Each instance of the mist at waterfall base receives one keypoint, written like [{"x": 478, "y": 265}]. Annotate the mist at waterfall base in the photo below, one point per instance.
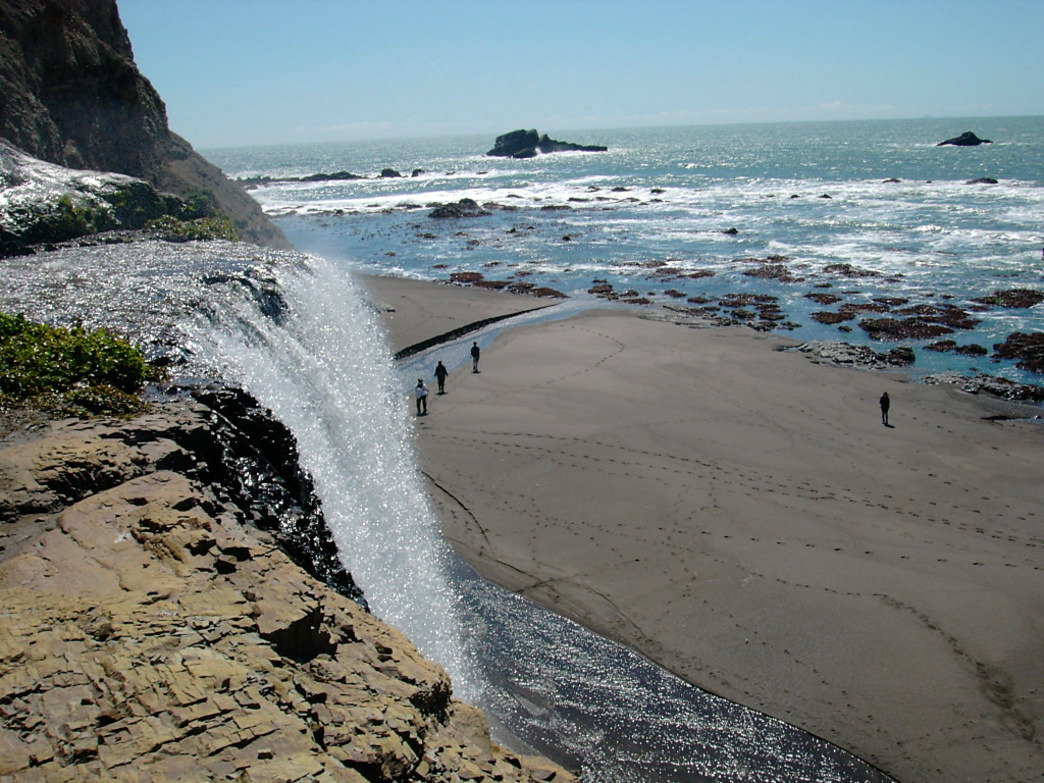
[{"x": 296, "y": 332}]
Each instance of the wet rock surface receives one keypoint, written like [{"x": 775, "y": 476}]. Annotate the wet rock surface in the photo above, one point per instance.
[{"x": 149, "y": 634}]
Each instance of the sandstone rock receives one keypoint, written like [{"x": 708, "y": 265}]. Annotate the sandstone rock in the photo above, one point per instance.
[{"x": 149, "y": 635}]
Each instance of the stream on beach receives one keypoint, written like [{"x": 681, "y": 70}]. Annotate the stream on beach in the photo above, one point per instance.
[{"x": 296, "y": 332}]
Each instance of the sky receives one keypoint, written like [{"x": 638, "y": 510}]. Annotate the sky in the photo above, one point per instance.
[{"x": 250, "y": 72}]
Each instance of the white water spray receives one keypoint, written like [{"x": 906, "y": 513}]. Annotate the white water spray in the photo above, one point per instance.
[{"x": 326, "y": 373}]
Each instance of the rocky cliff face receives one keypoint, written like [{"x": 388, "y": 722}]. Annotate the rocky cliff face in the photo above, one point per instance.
[
  {"x": 149, "y": 634},
  {"x": 71, "y": 94}
]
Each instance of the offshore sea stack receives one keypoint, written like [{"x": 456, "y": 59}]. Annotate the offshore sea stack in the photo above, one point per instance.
[
  {"x": 72, "y": 95},
  {"x": 966, "y": 139},
  {"x": 527, "y": 143}
]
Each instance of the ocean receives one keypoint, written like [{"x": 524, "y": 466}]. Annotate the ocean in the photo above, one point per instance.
[{"x": 816, "y": 231}]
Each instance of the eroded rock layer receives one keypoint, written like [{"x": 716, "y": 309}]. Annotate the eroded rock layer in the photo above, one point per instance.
[{"x": 149, "y": 634}]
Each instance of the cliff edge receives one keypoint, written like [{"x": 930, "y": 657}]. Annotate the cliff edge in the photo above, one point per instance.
[
  {"x": 149, "y": 634},
  {"x": 70, "y": 94}
]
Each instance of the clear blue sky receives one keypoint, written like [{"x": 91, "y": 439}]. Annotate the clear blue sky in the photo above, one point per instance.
[{"x": 245, "y": 72}]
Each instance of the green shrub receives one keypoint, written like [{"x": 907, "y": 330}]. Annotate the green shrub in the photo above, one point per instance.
[
  {"x": 171, "y": 229},
  {"x": 69, "y": 370}
]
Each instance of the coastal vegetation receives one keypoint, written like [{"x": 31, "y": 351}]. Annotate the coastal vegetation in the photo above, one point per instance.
[{"x": 74, "y": 371}]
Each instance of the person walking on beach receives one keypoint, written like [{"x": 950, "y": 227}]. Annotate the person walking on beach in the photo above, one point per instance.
[
  {"x": 422, "y": 398},
  {"x": 474, "y": 357},
  {"x": 440, "y": 375},
  {"x": 885, "y": 405}
]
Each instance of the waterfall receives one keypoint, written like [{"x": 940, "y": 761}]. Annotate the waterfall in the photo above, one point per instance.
[
  {"x": 325, "y": 371},
  {"x": 296, "y": 332}
]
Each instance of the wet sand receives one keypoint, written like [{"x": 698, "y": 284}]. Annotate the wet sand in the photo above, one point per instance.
[{"x": 742, "y": 517}]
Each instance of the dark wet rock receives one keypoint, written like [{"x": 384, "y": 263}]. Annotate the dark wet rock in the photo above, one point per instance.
[
  {"x": 848, "y": 355},
  {"x": 774, "y": 272},
  {"x": 966, "y": 139},
  {"x": 853, "y": 309},
  {"x": 941, "y": 346},
  {"x": 1015, "y": 297},
  {"x": 543, "y": 292},
  {"x": 900, "y": 329},
  {"x": 1027, "y": 348},
  {"x": 982, "y": 181},
  {"x": 823, "y": 299},
  {"x": 322, "y": 177},
  {"x": 891, "y": 301},
  {"x": 830, "y": 318},
  {"x": 478, "y": 280},
  {"x": 527, "y": 143},
  {"x": 900, "y": 356},
  {"x": 847, "y": 270},
  {"x": 390, "y": 174},
  {"x": 972, "y": 349},
  {"x": 891, "y": 180},
  {"x": 949, "y": 315},
  {"x": 997, "y": 387},
  {"x": 252, "y": 461},
  {"x": 418, "y": 172},
  {"x": 465, "y": 208},
  {"x": 731, "y": 231}
]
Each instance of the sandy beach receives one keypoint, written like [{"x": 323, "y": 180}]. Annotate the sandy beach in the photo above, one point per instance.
[{"x": 741, "y": 516}]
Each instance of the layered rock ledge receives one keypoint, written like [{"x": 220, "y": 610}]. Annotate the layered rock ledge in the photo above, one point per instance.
[{"x": 151, "y": 632}]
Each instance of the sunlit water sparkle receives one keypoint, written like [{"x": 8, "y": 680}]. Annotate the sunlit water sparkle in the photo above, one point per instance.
[{"x": 296, "y": 333}]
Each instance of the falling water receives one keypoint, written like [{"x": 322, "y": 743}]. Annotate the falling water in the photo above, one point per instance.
[
  {"x": 297, "y": 333},
  {"x": 324, "y": 371}
]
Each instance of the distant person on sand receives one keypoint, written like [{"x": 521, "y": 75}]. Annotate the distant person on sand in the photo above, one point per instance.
[
  {"x": 440, "y": 375},
  {"x": 885, "y": 405},
  {"x": 422, "y": 398},
  {"x": 474, "y": 357}
]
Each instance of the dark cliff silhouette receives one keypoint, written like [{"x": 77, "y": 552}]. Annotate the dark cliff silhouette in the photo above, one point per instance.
[{"x": 71, "y": 94}]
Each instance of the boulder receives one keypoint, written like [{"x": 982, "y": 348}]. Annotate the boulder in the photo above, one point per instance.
[
  {"x": 966, "y": 139},
  {"x": 464, "y": 208}
]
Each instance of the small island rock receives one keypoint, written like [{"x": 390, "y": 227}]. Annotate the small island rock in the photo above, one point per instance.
[
  {"x": 966, "y": 139},
  {"x": 527, "y": 143}
]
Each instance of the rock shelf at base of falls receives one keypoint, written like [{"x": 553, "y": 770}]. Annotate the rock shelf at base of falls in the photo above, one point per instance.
[{"x": 152, "y": 632}]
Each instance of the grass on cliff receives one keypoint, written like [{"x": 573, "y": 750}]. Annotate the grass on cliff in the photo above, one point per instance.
[{"x": 72, "y": 372}]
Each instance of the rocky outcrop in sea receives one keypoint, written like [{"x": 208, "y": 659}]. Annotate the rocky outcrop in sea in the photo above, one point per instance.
[
  {"x": 966, "y": 139},
  {"x": 155, "y": 630},
  {"x": 527, "y": 143}
]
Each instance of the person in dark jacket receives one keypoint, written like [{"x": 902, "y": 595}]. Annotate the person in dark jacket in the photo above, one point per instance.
[{"x": 440, "y": 375}]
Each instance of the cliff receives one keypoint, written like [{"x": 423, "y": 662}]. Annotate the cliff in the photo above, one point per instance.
[
  {"x": 70, "y": 94},
  {"x": 152, "y": 631}
]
